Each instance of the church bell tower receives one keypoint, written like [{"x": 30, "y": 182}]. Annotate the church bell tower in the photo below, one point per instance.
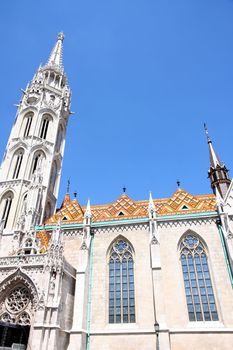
[{"x": 31, "y": 168}]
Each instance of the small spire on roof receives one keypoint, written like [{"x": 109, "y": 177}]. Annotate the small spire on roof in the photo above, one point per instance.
[
  {"x": 88, "y": 213},
  {"x": 151, "y": 206},
  {"x": 178, "y": 183},
  {"x": 124, "y": 189},
  {"x": 75, "y": 194}
]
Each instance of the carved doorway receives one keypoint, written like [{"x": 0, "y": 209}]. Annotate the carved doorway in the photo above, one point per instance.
[{"x": 13, "y": 334}]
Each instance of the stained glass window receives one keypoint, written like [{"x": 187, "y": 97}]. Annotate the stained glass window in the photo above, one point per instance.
[
  {"x": 121, "y": 283},
  {"x": 197, "y": 280}
]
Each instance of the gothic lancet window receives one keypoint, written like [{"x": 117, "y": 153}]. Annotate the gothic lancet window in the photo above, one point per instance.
[
  {"x": 44, "y": 126},
  {"x": 28, "y": 118},
  {"x": 121, "y": 283},
  {"x": 197, "y": 280},
  {"x": 37, "y": 162},
  {"x": 18, "y": 158},
  {"x": 6, "y": 207}
]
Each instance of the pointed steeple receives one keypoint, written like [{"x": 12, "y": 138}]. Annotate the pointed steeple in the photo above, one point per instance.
[
  {"x": 55, "y": 58},
  {"x": 218, "y": 173},
  {"x": 214, "y": 159}
]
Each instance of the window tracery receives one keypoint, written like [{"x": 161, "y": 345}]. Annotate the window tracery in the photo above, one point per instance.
[
  {"x": 16, "y": 306},
  {"x": 197, "y": 280},
  {"x": 121, "y": 283},
  {"x": 18, "y": 300}
]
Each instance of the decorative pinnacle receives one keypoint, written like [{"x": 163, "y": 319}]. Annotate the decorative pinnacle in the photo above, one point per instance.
[
  {"x": 151, "y": 206},
  {"x": 178, "y": 183},
  {"x": 88, "y": 210},
  {"x": 124, "y": 189}
]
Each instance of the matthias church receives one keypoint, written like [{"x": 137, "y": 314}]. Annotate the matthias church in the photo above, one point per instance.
[{"x": 148, "y": 274}]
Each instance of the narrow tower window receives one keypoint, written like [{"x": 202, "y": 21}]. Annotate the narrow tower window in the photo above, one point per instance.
[
  {"x": 28, "y": 124},
  {"x": 37, "y": 162},
  {"x": 59, "y": 138},
  {"x": 19, "y": 158},
  {"x": 53, "y": 177},
  {"x": 6, "y": 205},
  {"x": 198, "y": 286},
  {"x": 44, "y": 126},
  {"x": 121, "y": 283}
]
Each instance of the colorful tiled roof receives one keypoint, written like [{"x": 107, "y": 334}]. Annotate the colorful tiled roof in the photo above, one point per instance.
[{"x": 124, "y": 207}]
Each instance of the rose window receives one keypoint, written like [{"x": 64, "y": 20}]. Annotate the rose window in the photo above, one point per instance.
[{"x": 17, "y": 300}]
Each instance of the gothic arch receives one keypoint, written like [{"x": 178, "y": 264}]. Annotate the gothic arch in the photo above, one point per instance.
[
  {"x": 18, "y": 145},
  {"x": 5, "y": 207},
  {"x": 196, "y": 270},
  {"x": 37, "y": 159},
  {"x": 41, "y": 147},
  {"x": 18, "y": 298},
  {"x": 28, "y": 109},
  {"x": 19, "y": 277},
  {"x": 16, "y": 163},
  {"x": 26, "y": 124},
  {"x": 121, "y": 288},
  {"x": 49, "y": 111}
]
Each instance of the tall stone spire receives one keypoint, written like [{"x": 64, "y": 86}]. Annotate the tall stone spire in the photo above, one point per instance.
[
  {"x": 218, "y": 173},
  {"x": 31, "y": 169},
  {"x": 55, "y": 58}
]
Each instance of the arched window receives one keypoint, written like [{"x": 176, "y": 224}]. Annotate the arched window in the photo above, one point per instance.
[
  {"x": 37, "y": 162},
  {"x": 121, "y": 283},
  {"x": 197, "y": 280},
  {"x": 44, "y": 126},
  {"x": 6, "y": 207},
  {"x": 28, "y": 118},
  {"x": 17, "y": 162},
  {"x": 24, "y": 204}
]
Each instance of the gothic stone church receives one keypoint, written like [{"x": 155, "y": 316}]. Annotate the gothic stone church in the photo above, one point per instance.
[{"x": 149, "y": 274}]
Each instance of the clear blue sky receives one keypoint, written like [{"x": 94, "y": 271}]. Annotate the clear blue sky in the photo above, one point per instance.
[{"x": 145, "y": 75}]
